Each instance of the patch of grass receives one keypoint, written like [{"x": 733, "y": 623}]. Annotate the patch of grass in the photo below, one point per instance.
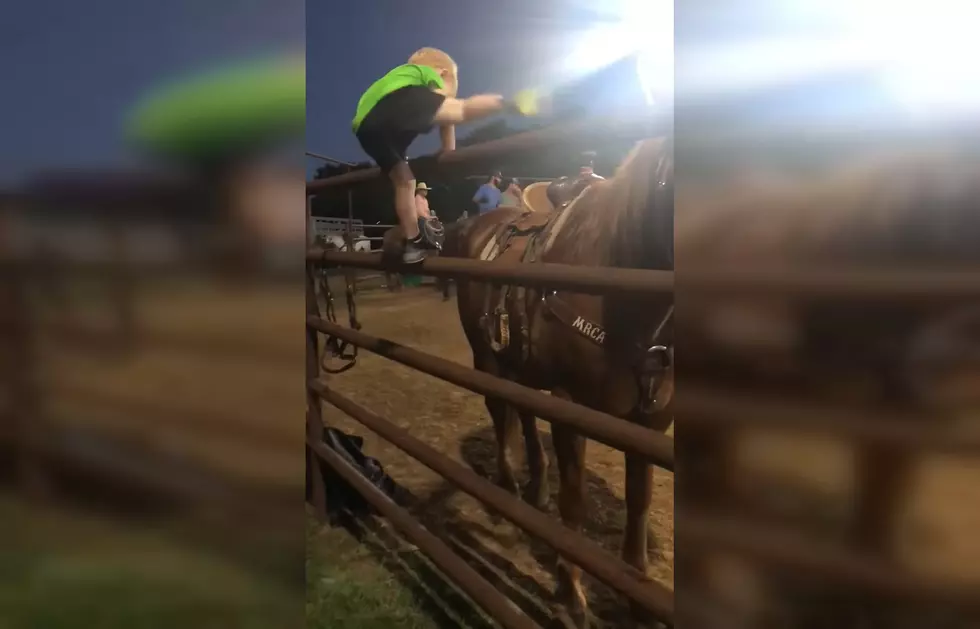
[
  {"x": 59, "y": 570},
  {"x": 363, "y": 585},
  {"x": 347, "y": 588}
]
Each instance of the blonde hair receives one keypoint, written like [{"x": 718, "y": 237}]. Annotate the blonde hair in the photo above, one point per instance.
[{"x": 435, "y": 58}]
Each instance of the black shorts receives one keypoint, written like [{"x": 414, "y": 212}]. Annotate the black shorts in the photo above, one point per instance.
[{"x": 394, "y": 123}]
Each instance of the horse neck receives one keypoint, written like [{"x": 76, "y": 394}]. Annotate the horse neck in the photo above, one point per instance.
[
  {"x": 620, "y": 223},
  {"x": 603, "y": 228}
]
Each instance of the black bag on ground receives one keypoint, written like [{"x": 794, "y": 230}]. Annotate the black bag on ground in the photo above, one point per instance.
[{"x": 341, "y": 497}]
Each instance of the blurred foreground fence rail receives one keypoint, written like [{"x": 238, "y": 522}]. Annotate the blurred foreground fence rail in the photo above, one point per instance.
[{"x": 80, "y": 321}]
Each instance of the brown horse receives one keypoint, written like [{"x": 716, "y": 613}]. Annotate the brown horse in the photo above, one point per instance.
[{"x": 625, "y": 221}]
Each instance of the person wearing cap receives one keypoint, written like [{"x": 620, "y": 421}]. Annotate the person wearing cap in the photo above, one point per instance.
[
  {"x": 422, "y": 201},
  {"x": 488, "y": 195}
]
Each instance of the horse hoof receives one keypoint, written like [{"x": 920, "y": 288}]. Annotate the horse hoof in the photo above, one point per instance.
[{"x": 537, "y": 499}]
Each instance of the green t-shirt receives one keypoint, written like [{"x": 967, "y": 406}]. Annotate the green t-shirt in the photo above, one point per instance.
[{"x": 402, "y": 76}]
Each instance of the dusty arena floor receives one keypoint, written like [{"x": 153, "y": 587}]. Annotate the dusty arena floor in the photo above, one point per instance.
[{"x": 456, "y": 422}]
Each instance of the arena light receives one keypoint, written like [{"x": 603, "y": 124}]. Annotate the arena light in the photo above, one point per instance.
[
  {"x": 643, "y": 29},
  {"x": 923, "y": 55},
  {"x": 929, "y": 53}
]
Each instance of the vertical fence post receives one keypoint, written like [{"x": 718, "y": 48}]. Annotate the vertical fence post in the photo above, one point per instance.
[
  {"x": 351, "y": 275},
  {"x": 121, "y": 281},
  {"x": 314, "y": 414},
  {"x": 28, "y": 429}
]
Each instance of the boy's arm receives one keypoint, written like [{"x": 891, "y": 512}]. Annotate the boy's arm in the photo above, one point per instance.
[
  {"x": 447, "y": 134},
  {"x": 478, "y": 197}
]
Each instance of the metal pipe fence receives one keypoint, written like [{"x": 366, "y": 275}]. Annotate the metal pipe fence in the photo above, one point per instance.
[
  {"x": 617, "y": 433},
  {"x": 715, "y": 529}
]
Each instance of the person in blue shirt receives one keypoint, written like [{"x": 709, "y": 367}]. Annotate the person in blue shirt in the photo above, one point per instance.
[{"x": 488, "y": 195}]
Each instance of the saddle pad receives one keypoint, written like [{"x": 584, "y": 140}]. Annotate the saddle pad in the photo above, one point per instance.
[{"x": 524, "y": 226}]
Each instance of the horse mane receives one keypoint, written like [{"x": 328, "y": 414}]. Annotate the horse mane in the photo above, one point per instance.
[{"x": 608, "y": 225}]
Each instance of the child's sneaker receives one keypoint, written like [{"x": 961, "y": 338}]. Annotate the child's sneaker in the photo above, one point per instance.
[
  {"x": 428, "y": 237},
  {"x": 414, "y": 252}
]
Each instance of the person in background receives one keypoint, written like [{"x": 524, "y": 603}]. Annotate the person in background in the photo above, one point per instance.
[
  {"x": 511, "y": 197},
  {"x": 422, "y": 201},
  {"x": 488, "y": 195}
]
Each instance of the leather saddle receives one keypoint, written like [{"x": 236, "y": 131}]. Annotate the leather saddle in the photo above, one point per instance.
[
  {"x": 546, "y": 196},
  {"x": 520, "y": 240}
]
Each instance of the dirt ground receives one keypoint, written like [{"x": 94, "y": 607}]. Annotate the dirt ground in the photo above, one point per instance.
[{"x": 456, "y": 422}]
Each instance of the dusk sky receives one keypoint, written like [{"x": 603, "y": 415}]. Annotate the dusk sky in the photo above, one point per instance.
[{"x": 74, "y": 70}]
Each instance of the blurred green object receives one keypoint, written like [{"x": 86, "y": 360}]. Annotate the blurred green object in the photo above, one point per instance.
[
  {"x": 412, "y": 280},
  {"x": 239, "y": 109}
]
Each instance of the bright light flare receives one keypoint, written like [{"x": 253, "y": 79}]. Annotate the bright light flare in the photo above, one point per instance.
[
  {"x": 644, "y": 28},
  {"x": 923, "y": 54},
  {"x": 929, "y": 52}
]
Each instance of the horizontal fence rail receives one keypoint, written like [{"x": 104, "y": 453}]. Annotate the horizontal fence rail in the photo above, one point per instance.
[
  {"x": 704, "y": 406},
  {"x": 615, "y": 573},
  {"x": 581, "y": 279},
  {"x": 797, "y": 555},
  {"x": 580, "y": 133},
  {"x": 892, "y": 286},
  {"x": 142, "y": 337},
  {"x": 839, "y": 284},
  {"x": 656, "y": 447}
]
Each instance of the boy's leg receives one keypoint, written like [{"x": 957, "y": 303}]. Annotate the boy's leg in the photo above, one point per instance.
[
  {"x": 387, "y": 148},
  {"x": 403, "y": 182}
]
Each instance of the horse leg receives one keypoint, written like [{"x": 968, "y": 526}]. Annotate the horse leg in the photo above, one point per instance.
[
  {"x": 639, "y": 490},
  {"x": 537, "y": 463},
  {"x": 570, "y": 452},
  {"x": 504, "y": 426}
]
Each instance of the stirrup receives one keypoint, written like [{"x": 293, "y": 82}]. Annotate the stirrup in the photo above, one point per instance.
[{"x": 433, "y": 234}]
